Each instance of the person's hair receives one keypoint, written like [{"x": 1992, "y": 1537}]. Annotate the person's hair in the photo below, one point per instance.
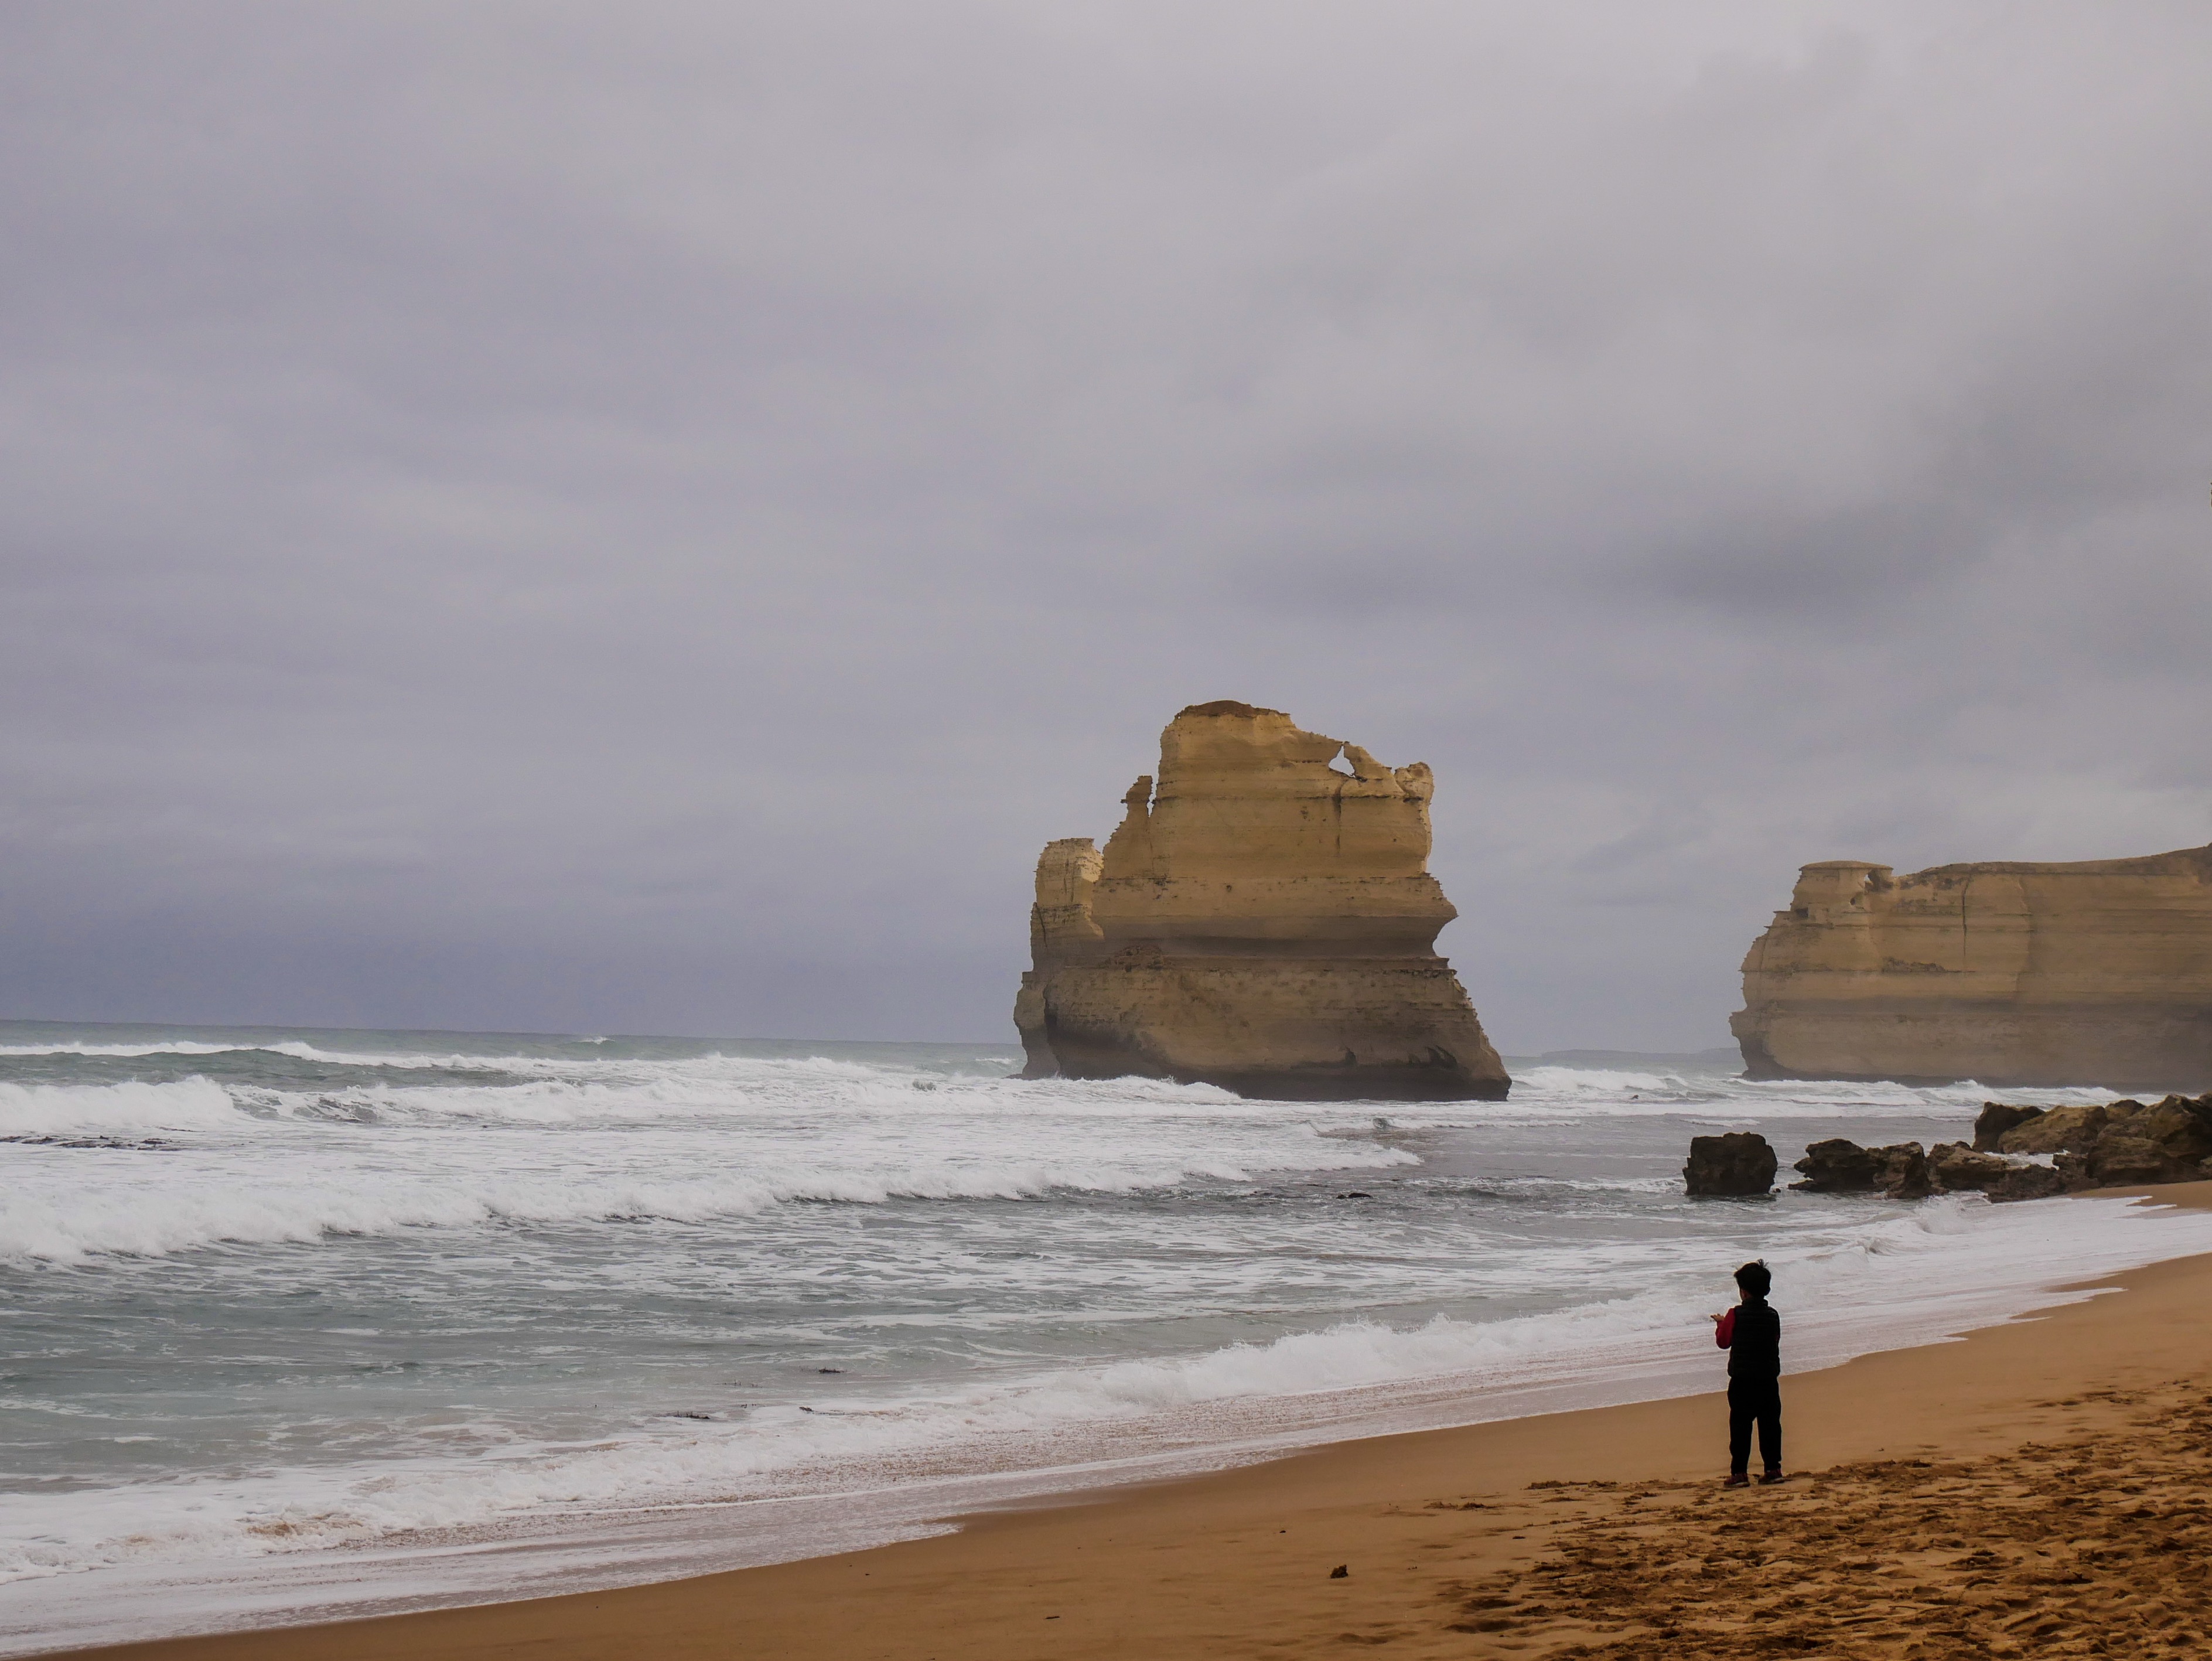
[{"x": 1754, "y": 1279}]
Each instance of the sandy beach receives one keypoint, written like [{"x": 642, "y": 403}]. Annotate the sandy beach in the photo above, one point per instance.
[{"x": 2038, "y": 1488}]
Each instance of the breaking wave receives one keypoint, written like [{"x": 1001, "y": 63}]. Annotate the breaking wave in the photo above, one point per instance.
[
  {"x": 1899, "y": 1280},
  {"x": 667, "y": 1275}
]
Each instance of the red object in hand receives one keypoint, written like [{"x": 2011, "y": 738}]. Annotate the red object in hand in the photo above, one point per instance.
[{"x": 1724, "y": 1333}]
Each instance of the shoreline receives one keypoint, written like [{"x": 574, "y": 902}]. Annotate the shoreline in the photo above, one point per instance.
[{"x": 1229, "y": 1562}]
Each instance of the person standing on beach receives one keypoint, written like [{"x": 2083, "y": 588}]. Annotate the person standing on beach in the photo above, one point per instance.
[{"x": 1752, "y": 1335}]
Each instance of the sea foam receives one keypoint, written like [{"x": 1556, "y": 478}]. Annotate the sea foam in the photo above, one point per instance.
[
  {"x": 636, "y": 1307},
  {"x": 1902, "y": 1280}
]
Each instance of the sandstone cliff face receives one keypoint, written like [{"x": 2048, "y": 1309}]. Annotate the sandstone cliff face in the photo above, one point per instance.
[
  {"x": 2096, "y": 973},
  {"x": 1260, "y": 921}
]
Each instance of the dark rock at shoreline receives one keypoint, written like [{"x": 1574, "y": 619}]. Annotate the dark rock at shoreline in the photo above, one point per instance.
[
  {"x": 2123, "y": 1144},
  {"x": 1904, "y": 1172},
  {"x": 1900, "y": 1170},
  {"x": 1839, "y": 1166},
  {"x": 1957, "y": 1169},
  {"x": 2179, "y": 1124},
  {"x": 2119, "y": 1161},
  {"x": 1730, "y": 1166},
  {"x": 2060, "y": 1130},
  {"x": 1996, "y": 1119},
  {"x": 1954, "y": 1168},
  {"x": 2026, "y": 1182}
]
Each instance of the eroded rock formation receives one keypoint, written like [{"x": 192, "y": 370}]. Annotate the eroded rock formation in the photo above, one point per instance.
[
  {"x": 1734, "y": 1165},
  {"x": 1262, "y": 921},
  {"x": 2123, "y": 1144},
  {"x": 2120, "y": 1144},
  {"x": 1904, "y": 1171},
  {"x": 2096, "y": 973},
  {"x": 1956, "y": 1168},
  {"x": 1842, "y": 1166}
]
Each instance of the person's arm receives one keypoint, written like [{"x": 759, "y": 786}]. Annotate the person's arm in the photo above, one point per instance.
[{"x": 1725, "y": 1330}]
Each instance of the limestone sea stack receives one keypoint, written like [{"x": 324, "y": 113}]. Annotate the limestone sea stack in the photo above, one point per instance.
[
  {"x": 2096, "y": 973},
  {"x": 1262, "y": 921}
]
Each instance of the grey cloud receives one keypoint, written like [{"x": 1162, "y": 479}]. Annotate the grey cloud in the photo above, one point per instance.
[{"x": 528, "y": 515}]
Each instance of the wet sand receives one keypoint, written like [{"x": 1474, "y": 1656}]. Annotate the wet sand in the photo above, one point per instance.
[{"x": 2040, "y": 1488}]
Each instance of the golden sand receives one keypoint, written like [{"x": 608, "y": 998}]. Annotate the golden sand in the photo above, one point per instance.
[{"x": 2092, "y": 1542}]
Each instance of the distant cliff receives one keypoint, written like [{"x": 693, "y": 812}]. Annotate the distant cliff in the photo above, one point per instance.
[
  {"x": 2096, "y": 973},
  {"x": 1262, "y": 922}
]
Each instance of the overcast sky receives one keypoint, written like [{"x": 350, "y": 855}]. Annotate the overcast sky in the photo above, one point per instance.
[{"x": 645, "y": 518}]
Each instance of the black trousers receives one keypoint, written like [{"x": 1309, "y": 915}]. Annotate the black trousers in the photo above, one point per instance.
[{"x": 1750, "y": 1400}]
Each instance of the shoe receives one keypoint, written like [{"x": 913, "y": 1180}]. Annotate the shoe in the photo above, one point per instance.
[
  {"x": 1771, "y": 1478},
  {"x": 1738, "y": 1481}
]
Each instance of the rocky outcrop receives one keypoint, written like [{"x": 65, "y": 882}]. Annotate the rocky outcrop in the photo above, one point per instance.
[
  {"x": 2097, "y": 973},
  {"x": 2120, "y": 1144},
  {"x": 1261, "y": 919},
  {"x": 2057, "y": 1130},
  {"x": 1995, "y": 1118},
  {"x": 2027, "y": 1182},
  {"x": 1730, "y": 1166},
  {"x": 1841, "y": 1166},
  {"x": 1905, "y": 1171},
  {"x": 1837, "y": 1165},
  {"x": 1956, "y": 1168}
]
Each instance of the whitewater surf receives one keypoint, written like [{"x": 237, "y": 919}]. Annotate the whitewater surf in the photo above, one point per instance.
[{"x": 303, "y": 1323}]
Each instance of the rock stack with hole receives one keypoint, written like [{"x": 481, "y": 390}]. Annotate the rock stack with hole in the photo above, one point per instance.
[{"x": 1262, "y": 919}]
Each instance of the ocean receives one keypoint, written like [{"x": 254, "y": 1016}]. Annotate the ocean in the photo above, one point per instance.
[{"x": 304, "y": 1324}]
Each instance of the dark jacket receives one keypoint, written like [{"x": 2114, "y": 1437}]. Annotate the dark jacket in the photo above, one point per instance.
[{"x": 1752, "y": 1335}]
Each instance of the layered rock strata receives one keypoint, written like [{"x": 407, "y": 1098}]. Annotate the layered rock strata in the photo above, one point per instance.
[
  {"x": 2096, "y": 973},
  {"x": 1261, "y": 919}
]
